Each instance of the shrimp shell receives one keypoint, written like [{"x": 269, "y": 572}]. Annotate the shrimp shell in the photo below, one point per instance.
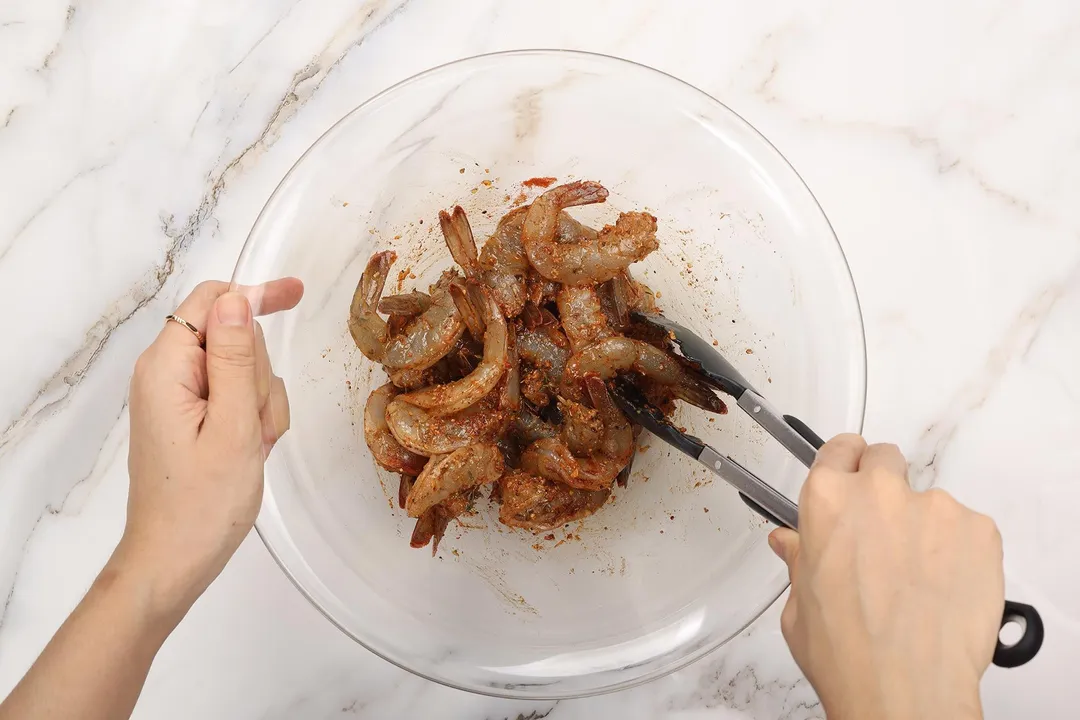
[
  {"x": 463, "y": 469},
  {"x": 387, "y": 451}
]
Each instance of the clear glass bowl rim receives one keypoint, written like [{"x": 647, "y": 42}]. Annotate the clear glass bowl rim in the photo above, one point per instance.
[{"x": 613, "y": 60}]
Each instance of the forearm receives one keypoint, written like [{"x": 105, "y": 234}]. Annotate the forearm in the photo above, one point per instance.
[{"x": 95, "y": 666}]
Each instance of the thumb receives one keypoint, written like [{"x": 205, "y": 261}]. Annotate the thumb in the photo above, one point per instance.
[
  {"x": 233, "y": 403},
  {"x": 785, "y": 543}
]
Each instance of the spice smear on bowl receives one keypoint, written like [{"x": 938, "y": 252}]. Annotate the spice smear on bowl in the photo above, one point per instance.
[{"x": 497, "y": 374}]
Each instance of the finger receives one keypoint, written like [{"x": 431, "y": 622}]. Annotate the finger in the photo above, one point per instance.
[
  {"x": 785, "y": 543},
  {"x": 263, "y": 370},
  {"x": 274, "y": 296},
  {"x": 275, "y": 417},
  {"x": 884, "y": 457},
  {"x": 232, "y": 405},
  {"x": 842, "y": 453}
]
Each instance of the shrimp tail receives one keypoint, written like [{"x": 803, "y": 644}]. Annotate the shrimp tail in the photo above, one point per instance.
[
  {"x": 459, "y": 240},
  {"x": 467, "y": 310},
  {"x": 579, "y": 192},
  {"x": 699, "y": 395}
]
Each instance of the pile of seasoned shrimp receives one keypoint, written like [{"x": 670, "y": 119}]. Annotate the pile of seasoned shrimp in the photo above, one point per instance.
[{"x": 498, "y": 373}]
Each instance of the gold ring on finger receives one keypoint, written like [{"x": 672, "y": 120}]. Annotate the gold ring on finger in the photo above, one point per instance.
[{"x": 184, "y": 323}]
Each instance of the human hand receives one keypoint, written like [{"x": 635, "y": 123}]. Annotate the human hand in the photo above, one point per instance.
[
  {"x": 202, "y": 424},
  {"x": 896, "y": 596}
]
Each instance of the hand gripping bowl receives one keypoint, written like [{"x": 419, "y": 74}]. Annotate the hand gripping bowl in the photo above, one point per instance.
[{"x": 675, "y": 565}]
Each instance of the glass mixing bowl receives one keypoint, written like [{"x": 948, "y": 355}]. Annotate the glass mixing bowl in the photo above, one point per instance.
[{"x": 675, "y": 565}]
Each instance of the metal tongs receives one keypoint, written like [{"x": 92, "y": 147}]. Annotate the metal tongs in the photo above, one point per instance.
[
  {"x": 789, "y": 431},
  {"x": 795, "y": 436}
]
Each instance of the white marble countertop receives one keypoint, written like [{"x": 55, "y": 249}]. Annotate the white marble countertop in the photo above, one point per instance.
[{"x": 138, "y": 141}]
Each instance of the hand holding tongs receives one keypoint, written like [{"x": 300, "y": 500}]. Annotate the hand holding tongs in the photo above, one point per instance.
[{"x": 795, "y": 436}]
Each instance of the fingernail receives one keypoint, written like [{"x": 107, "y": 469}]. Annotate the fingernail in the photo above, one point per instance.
[
  {"x": 774, "y": 545},
  {"x": 233, "y": 309}
]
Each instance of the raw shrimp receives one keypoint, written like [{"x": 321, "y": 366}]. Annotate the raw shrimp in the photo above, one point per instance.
[
  {"x": 432, "y": 524},
  {"x": 583, "y": 427},
  {"x": 387, "y": 451},
  {"x": 536, "y": 504},
  {"x": 425, "y": 340},
  {"x": 460, "y": 394},
  {"x": 611, "y": 356},
  {"x": 544, "y": 346},
  {"x": 368, "y": 330},
  {"x": 546, "y": 349},
  {"x": 617, "y": 445},
  {"x": 588, "y": 260},
  {"x": 463, "y": 469},
  {"x": 582, "y": 315},
  {"x": 429, "y": 336},
  {"x": 551, "y": 459},
  {"x": 504, "y": 263},
  {"x": 422, "y": 433}
]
